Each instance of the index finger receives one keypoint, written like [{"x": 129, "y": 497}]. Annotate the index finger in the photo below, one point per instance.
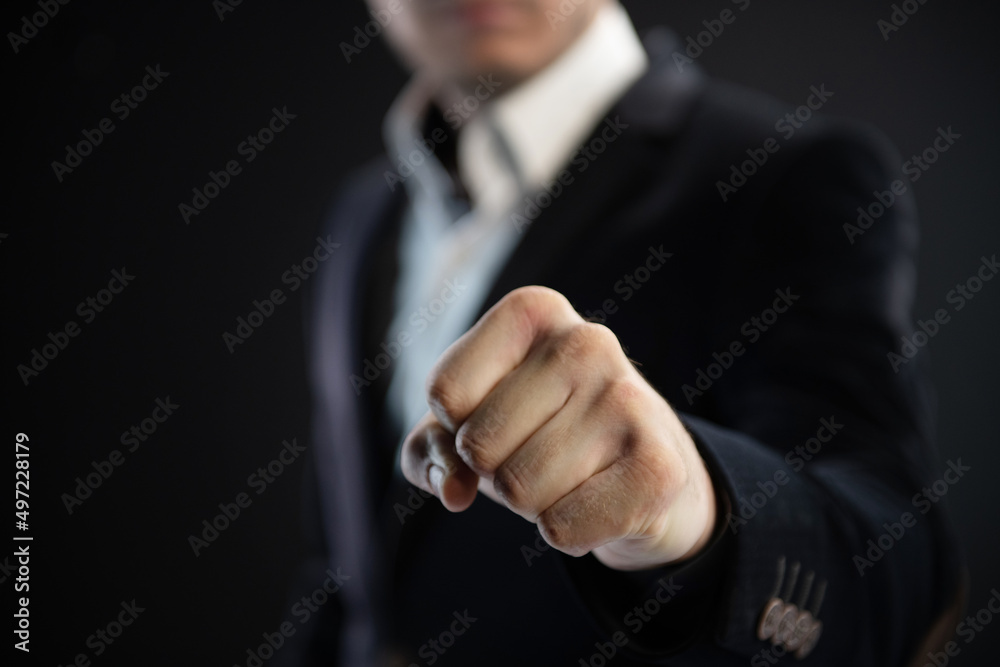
[{"x": 497, "y": 344}]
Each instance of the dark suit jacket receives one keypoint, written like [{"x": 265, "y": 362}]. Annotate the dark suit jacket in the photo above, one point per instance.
[{"x": 813, "y": 438}]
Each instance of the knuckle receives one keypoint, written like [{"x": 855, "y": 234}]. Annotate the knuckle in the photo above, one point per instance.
[
  {"x": 510, "y": 484},
  {"x": 443, "y": 392},
  {"x": 472, "y": 445},
  {"x": 533, "y": 304},
  {"x": 657, "y": 470},
  {"x": 604, "y": 336},
  {"x": 531, "y": 298},
  {"x": 623, "y": 398},
  {"x": 558, "y": 533},
  {"x": 582, "y": 340},
  {"x": 585, "y": 341},
  {"x": 413, "y": 455}
]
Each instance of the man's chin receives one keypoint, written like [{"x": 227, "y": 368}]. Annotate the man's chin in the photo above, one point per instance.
[
  {"x": 468, "y": 79},
  {"x": 509, "y": 71}
]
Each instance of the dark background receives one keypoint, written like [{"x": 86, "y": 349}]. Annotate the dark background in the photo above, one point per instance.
[{"x": 163, "y": 335}]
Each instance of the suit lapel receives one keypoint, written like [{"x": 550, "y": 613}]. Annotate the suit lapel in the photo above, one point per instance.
[
  {"x": 657, "y": 105},
  {"x": 340, "y": 433}
]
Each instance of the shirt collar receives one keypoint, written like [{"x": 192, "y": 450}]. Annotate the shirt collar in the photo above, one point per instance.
[
  {"x": 520, "y": 140},
  {"x": 546, "y": 118}
]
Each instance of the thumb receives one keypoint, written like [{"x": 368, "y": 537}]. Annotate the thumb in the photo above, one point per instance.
[{"x": 430, "y": 461}]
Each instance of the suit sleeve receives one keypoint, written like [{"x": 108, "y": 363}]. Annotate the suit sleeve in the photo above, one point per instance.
[{"x": 817, "y": 439}]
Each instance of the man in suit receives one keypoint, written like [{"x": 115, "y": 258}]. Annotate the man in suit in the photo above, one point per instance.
[{"x": 660, "y": 335}]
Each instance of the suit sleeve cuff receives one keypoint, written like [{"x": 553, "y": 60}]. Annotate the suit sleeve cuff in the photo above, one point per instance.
[{"x": 662, "y": 611}]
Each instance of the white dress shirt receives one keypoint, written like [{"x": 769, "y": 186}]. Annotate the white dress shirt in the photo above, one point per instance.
[{"x": 514, "y": 145}]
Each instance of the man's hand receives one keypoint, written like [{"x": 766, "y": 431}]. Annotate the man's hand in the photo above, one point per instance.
[{"x": 543, "y": 412}]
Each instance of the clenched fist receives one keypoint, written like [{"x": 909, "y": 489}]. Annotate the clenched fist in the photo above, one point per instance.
[{"x": 543, "y": 412}]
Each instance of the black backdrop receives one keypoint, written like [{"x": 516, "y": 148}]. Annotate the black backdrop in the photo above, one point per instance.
[{"x": 161, "y": 336}]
